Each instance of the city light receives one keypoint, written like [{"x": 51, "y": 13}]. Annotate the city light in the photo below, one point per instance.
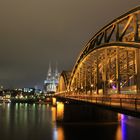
[{"x": 110, "y": 81}]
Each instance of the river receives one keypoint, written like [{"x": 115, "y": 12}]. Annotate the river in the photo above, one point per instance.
[{"x": 38, "y": 122}]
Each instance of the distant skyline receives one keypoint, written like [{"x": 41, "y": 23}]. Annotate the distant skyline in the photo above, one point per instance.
[{"x": 36, "y": 32}]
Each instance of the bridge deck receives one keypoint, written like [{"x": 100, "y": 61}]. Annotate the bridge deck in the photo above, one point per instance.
[{"x": 127, "y": 105}]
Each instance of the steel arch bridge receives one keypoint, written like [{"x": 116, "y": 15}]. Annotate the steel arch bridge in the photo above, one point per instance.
[
  {"x": 110, "y": 61},
  {"x": 64, "y": 81}
]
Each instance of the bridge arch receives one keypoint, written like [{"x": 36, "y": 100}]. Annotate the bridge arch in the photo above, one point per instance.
[
  {"x": 110, "y": 61},
  {"x": 63, "y": 81}
]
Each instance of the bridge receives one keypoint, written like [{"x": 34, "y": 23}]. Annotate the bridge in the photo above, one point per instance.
[{"x": 107, "y": 71}]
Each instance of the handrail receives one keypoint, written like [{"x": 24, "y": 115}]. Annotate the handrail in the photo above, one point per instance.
[{"x": 128, "y": 103}]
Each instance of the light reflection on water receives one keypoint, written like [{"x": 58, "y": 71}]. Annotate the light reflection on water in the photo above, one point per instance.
[
  {"x": 60, "y": 111},
  {"x": 38, "y": 122},
  {"x": 123, "y": 126},
  {"x": 128, "y": 129}
]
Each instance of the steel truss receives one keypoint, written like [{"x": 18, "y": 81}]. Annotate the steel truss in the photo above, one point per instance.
[
  {"x": 110, "y": 61},
  {"x": 110, "y": 69}
]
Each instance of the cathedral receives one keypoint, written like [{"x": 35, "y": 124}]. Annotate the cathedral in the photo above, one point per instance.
[{"x": 51, "y": 81}]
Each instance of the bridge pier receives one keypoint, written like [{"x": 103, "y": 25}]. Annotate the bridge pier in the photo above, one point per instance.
[{"x": 79, "y": 112}]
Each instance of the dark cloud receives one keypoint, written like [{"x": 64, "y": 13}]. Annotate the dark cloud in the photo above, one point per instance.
[{"x": 35, "y": 32}]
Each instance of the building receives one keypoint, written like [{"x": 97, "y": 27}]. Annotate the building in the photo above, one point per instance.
[
  {"x": 51, "y": 81},
  {"x": 27, "y": 91}
]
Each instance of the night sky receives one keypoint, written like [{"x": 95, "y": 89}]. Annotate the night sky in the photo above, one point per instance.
[{"x": 36, "y": 32}]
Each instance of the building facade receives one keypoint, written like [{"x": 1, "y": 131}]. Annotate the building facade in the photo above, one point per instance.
[{"x": 51, "y": 81}]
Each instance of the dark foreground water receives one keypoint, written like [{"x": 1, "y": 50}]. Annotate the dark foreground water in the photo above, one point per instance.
[{"x": 37, "y": 122}]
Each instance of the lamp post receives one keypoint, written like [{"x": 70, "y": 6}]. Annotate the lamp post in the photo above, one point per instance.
[
  {"x": 82, "y": 88},
  {"x": 110, "y": 81}
]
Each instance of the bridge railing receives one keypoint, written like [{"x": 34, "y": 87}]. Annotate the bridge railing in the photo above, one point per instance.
[{"x": 128, "y": 103}]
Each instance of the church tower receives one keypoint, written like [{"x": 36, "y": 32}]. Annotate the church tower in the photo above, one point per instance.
[
  {"x": 56, "y": 72},
  {"x": 51, "y": 82},
  {"x": 49, "y": 71}
]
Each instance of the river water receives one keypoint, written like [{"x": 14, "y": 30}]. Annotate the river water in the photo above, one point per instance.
[{"x": 38, "y": 122}]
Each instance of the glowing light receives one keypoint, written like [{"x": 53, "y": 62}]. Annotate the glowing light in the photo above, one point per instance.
[
  {"x": 119, "y": 133},
  {"x": 54, "y": 101},
  {"x": 8, "y": 96},
  {"x": 53, "y": 114},
  {"x": 113, "y": 87},
  {"x": 123, "y": 126},
  {"x": 60, "y": 133},
  {"x": 110, "y": 81},
  {"x": 60, "y": 111},
  {"x": 21, "y": 96}
]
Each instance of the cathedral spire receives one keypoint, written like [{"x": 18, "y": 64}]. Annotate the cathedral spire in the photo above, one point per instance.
[
  {"x": 51, "y": 82},
  {"x": 49, "y": 70},
  {"x": 56, "y": 70}
]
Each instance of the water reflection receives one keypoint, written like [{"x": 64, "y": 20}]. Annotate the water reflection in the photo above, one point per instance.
[
  {"x": 119, "y": 133},
  {"x": 128, "y": 129},
  {"x": 60, "y": 111},
  {"x": 60, "y": 133},
  {"x": 123, "y": 126},
  {"x": 53, "y": 109},
  {"x": 38, "y": 122}
]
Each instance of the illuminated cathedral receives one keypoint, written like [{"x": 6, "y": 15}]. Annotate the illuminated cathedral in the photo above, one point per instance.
[{"x": 51, "y": 81}]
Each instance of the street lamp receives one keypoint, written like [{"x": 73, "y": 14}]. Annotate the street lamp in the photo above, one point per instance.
[
  {"x": 75, "y": 90},
  {"x": 91, "y": 87},
  {"x": 110, "y": 81}
]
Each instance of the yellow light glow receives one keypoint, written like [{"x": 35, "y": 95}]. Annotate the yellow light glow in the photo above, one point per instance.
[
  {"x": 21, "y": 96},
  {"x": 8, "y": 96},
  {"x": 60, "y": 111},
  {"x": 110, "y": 81},
  {"x": 60, "y": 133},
  {"x": 53, "y": 114},
  {"x": 54, "y": 101},
  {"x": 119, "y": 133}
]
